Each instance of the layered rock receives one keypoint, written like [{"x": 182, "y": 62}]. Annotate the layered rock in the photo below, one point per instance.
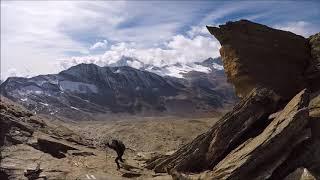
[
  {"x": 246, "y": 120},
  {"x": 257, "y": 158},
  {"x": 254, "y": 54}
]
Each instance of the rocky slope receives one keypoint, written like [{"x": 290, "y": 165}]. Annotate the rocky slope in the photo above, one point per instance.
[
  {"x": 274, "y": 129},
  {"x": 97, "y": 92},
  {"x": 33, "y": 147}
]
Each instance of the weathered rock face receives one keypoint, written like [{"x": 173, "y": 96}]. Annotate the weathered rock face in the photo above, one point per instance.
[
  {"x": 257, "y": 158},
  {"x": 246, "y": 120},
  {"x": 314, "y": 105},
  {"x": 300, "y": 174},
  {"x": 254, "y": 54},
  {"x": 313, "y": 73},
  {"x": 32, "y": 149},
  {"x": 314, "y": 41}
]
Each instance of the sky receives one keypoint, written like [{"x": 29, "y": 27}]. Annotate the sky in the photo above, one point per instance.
[{"x": 43, "y": 37}]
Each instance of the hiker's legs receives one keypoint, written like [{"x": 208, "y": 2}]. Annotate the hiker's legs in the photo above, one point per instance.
[
  {"x": 121, "y": 159},
  {"x": 116, "y": 160},
  {"x": 120, "y": 156}
]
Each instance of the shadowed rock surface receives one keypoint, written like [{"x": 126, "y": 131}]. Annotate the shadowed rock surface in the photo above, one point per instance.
[
  {"x": 257, "y": 158},
  {"x": 246, "y": 119}
]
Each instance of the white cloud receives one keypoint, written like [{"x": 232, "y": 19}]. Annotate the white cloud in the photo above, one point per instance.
[
  {"x": 99, "y": 45},
  {"x": 35, "y": 34},
  {"x": 12, "y": 72},
  {"x": 179, "y": 49},
  {"x": 198, "y": 30},
  {"x": 299, "y": 27}
]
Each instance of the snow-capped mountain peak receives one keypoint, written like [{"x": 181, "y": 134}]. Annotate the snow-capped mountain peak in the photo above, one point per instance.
[{"x": 177, "y": 70}]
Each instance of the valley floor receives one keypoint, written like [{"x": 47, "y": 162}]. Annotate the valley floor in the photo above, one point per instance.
[
  {"x": 53, "y": 149},
  {"x": 143, "y": 138},
  {"x": 145, "y": 135}
]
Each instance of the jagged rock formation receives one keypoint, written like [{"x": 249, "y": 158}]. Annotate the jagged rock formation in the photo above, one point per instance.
[
  {"x": 274, "y": 129},
  {"x": 258, "y": 157},
  {"x": 254, "y": 54},
  {"x": 209, "y": 148}
]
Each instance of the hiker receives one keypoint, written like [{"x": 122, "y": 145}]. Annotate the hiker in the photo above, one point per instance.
[{"x": 119, "y": 147}]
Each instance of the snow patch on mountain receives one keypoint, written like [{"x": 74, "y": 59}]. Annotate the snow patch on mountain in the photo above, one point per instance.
[
  {"x": 217, "y": 66},
  {"x": 45, "y": 104},
  {"x": 31, "y": 89},
  {"x": 24, "y": 99},
  {"x": 78, "y": 87},
  {"x": 179, "y": 70},
  {"x": 176, "y": 70},
  {"x": 74, "y": 108}
]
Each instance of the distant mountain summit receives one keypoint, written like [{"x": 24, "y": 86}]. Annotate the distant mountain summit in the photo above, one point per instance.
[
  {"x": 178, "y": 70},
  {"x": 88, "y": 91}
]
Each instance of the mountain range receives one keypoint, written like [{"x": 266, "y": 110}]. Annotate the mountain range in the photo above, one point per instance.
[{"x": 90, "y": 91}]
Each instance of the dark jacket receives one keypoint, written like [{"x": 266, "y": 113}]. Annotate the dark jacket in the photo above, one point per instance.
[{"x": 118, "y": 146}]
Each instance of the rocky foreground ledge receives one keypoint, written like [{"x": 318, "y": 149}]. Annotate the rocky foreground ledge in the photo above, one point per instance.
[{"x": 273, "y": 132}]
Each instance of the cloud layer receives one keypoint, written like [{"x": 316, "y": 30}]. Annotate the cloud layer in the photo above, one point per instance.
[
  {"x": 179, "y": 49},
  {"x": 44, "y": 37}
]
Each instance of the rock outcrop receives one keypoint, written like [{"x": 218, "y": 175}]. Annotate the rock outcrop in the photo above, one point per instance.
[
  {"x": 257, "y": 158},
  {"x": 30, "y": 148},
  {"x": 254, "y": 54},
  {"x": 274, "y": 129},
  {"x": 246, "y": 120}
]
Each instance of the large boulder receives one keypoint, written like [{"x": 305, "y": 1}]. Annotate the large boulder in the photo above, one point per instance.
[{"x": 255, "y": 54}]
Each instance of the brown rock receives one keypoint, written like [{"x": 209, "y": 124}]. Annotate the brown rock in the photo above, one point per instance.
[
  {"x": 306, "y": 154},
  {"x": 314, "y": 105},
  {"x": 314, "y": 42},
  {"x": 247, "y": 119},
  {"x": 254, "y": 54},
  {"x": 257, "y": 158},
  {"x": 300, "y": 174},
  {"x": 313, "y": 71}
]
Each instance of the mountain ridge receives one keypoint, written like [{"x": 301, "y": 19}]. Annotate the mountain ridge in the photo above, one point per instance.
[{"x": 88, "y": 89}]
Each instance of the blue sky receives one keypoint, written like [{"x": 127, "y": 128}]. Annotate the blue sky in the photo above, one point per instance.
[{"x": 46, "y": 37}]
